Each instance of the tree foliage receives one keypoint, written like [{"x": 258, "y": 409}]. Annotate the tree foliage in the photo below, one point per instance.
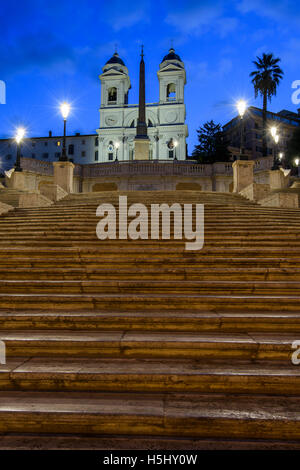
[{"x": 212, "y": 146}]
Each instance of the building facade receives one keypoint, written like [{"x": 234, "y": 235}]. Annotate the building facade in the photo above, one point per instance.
[
  {"x": 285, "y": 121},
  {"x": 114, "y": 139}
]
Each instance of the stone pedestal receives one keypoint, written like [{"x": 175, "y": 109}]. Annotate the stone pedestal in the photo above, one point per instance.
[
  {"x": 141, "y": 149},
  {"x": 242, "y": 174},
  {"x": 63, "y": 175},
  {"x": 17, "y": 180},
  {"x": 279, "y": 179}
]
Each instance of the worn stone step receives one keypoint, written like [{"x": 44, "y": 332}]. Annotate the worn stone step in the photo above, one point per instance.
[
  {"x": 283, "y": 288},
  {"x": 180, "y": 345},
  {"x": 164, "y": 302},
  {"x": 168, "y": 414},
  {"x": 148, "y": 375},
  {"x": 179, "y": 320},
  {"x": 143, "y": 272}
]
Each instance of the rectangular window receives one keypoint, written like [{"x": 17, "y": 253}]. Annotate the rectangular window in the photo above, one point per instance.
[
  {"x": 96, "y": 141},
  {"x": 45, "y": 143},
  {"x": 83, "y": 142},
  {"x": 71, "y": 149},
  {"x": 96, "y": 156},
  {"x": 171, "y": 153},
  {"x": 110, "y": 156},
  {"x": 33, "y": 155},
  {"x": 45, "y": 155},
  {"x": 83, "y": 154}
]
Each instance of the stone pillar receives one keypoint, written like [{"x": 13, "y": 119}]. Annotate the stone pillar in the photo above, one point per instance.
[
  {"x": 242, "y": 174},
  {"x": 141, "y": 149},
  {"x": 17, "y": 180},
  {"x": 278, "y": 179},
  {"x": 63, "y": 175}
]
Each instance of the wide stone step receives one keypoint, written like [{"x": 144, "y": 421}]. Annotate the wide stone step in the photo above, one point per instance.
[
  {"x": 150, "y": 302},
  {"x": 167, "y": 414},
  {"x": 179, "y": 320},
  {"x": 148, "y": 375},
  {"x": 143, "y": 272},
  {"x": 254, "y": 346},
  {"x": 283, "y": 288}
]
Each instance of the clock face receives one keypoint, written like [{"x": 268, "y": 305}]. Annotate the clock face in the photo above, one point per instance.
[
  {"x": 171, "y": 116},
  {"x": 111, "y": 120}
]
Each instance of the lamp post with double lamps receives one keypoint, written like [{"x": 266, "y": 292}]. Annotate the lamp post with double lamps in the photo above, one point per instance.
[
  {"x": 65, "y": 111},
  {"x": 20, "y": 134},
  {"x": 241, "y": 107}
]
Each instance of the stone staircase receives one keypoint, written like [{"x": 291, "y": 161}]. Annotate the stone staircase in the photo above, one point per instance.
[{"x": 114, "y": 342}]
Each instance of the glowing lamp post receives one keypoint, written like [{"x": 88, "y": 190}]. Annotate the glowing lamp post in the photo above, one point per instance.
[
  {"x": 19, "y": 137},
  {"x": 241, "y": 107},
  {"x": 65, "y": 110},
  {"x": 297, "y": 165},
  {"x": 117, "y": 144},
  {"x": 175, "y": 147},
  {"x": 276, "y": 140}
]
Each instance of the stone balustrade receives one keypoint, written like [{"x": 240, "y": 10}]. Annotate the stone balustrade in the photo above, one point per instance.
[{"x": 152, "y": 167}]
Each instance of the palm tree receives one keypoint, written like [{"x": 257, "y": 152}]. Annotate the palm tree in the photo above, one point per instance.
[{"x": 265, "y": 80}]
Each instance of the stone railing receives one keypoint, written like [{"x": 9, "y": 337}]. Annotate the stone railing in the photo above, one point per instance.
[
  {"x": 153, "y": 167},
  {"x": 37, "y": 166}
]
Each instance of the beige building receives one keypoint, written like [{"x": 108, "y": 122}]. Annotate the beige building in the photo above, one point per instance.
[{"x": 285, "y": 121}]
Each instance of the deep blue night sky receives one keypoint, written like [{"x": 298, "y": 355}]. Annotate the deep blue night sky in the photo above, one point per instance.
[{"x": 52, "y": 51}]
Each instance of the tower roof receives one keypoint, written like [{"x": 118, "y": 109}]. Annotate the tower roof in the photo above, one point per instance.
[
  {"x": 115, "y": 59},
  {"x": 172, "y": 56}
]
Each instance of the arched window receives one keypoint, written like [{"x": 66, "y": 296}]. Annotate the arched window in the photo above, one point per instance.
[
  {"x": 112, "y": 95},
  {"x": 110, "y": 149},
  {"x": 150, "y": 124},
  {"x": 171, "y": 92}
]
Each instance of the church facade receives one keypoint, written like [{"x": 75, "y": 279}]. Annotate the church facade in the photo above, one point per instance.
[
  {"x": 165, "y": 119},
  {"x": 114, "y": 139}
]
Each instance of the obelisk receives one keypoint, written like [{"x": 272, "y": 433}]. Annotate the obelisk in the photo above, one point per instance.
[{"x": 141, "y": 141}]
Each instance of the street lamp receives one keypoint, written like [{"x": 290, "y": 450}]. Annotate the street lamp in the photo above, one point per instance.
[
  {"x": 20, "y": 134},
  {"x": 175, "y": 146},
  {"x": 117, "y": 144},
  {"x": 241, "y": 107},
  {"x": 276, "y": 140},
  {"x": 65, "y": 110},
  {"x": 297, "y": 165}
]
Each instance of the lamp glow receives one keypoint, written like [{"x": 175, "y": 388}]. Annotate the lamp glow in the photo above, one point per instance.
[
  {"x": 241, "y": 107},
  {"x": 296, "y": 161},
  {"x": 273, "y": 131},
  {"x": 117, "y": 144},
  {"x": 175, "y": 143},
  {"x": 20, "y": 134},
  {"x": 276, "y": 138},
  {"x": 65, "y": 110},
  {"x": 280, "y": 156}
]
